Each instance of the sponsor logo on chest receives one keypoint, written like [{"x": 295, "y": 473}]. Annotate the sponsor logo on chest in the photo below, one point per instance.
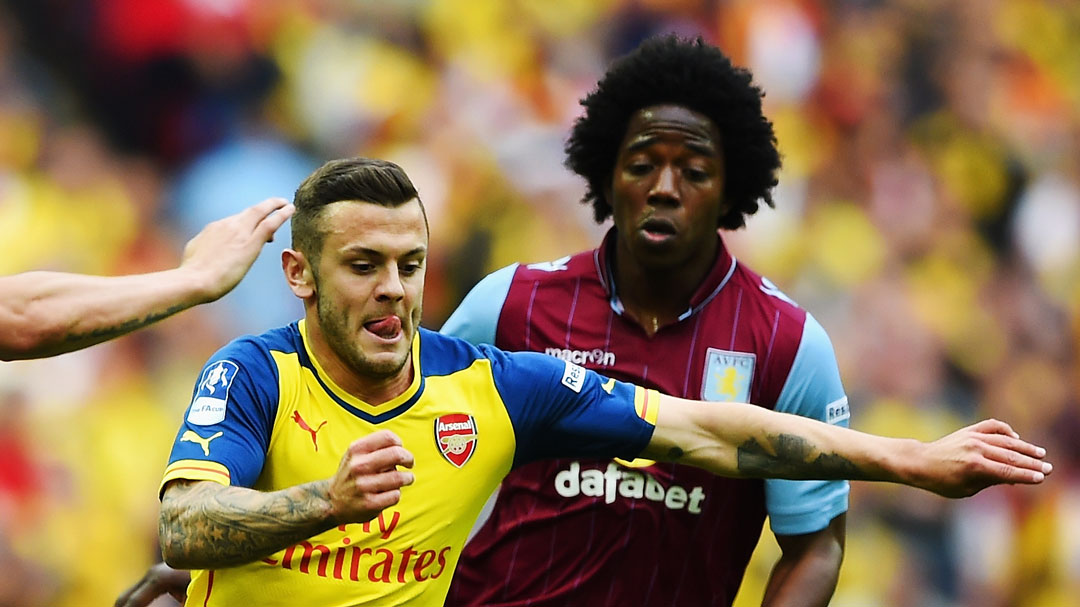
[
  {"x": 614, "y": 482},
  {"x": 727, "y": 375}
]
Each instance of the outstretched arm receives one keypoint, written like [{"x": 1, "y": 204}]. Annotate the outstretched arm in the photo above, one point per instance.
[
  {"x": 48, "y": 313},
  {"x": 205, "y": 525},
  {"x": 735, "y": 439}
]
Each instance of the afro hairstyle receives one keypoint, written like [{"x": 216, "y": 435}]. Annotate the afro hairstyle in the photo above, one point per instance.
[{"x": 688, "y": 73}]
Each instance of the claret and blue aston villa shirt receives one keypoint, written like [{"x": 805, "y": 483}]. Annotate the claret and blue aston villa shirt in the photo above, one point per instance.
[
  {"x": 589, "y": 531},
  {"x": 265, "y": 415}
]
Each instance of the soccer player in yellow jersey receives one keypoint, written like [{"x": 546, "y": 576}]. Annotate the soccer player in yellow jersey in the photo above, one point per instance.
[{"x": 341, "y": 460}]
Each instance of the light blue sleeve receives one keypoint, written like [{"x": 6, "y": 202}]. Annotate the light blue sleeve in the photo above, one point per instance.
[
  {"x": 813, "y": 389},
  {"x": 476, "y": 319}
]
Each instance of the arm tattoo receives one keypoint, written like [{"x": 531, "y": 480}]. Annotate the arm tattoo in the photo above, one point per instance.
[
  {"x": 214, "y": 526},
  {"x": 792, "y": 456},
  {"x": 105, "y": 333}
]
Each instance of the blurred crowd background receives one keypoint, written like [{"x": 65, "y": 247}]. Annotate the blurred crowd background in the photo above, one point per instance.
[{"x": 928, "y": 214}]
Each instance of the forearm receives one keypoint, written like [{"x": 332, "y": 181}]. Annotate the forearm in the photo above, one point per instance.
[
  {"x": 808, "y": 582},
  {"x": 733, "y": 439},
  {"x": 809, "y": 567},
  {"x": 48, "y": 313},
  {"x": 205, "y": 525}
]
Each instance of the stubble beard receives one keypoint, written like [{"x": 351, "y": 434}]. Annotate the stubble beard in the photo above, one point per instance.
[{"x": 341, "y": 342}]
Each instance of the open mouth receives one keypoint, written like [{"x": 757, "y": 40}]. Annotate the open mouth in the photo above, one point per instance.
[
  {"x": 658, "y": 229},
  {"x": 386, "y": 328}
]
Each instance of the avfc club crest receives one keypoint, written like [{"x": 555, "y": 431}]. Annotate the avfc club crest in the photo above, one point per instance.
[
  {"x": 455, "y": 435},
  {"x": 727, "y": 376}
]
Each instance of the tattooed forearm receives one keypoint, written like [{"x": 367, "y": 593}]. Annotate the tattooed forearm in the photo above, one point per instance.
[
  {"x": 792, "y": 456},
  {"x": 204, "y": 525},
  {"x": 100, "y": 334}
]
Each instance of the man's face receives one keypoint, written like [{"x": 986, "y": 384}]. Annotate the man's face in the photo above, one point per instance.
[
  {"x": 667, "y": 186},
  {"x": 369, "y": 284}
]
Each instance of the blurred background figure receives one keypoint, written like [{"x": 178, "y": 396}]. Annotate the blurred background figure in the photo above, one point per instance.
[{"x": 928, "y": 213}]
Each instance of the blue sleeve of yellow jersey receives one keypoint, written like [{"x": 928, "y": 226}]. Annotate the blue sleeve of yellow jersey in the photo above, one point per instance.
[
  {"x": 559, "y": 409},
  {"x": 226, "y": 429}
]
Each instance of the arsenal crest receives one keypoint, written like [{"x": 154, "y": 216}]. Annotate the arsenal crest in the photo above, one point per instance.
[{"x": 455, "y": 435}]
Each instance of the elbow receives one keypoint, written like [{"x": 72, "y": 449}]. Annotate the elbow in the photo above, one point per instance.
[
  {"x": 175, "y": 559},
  {"x": 25, "y": 335},
  {"x": 21, "y": 340},
  {"x": 174, "y": 551}
]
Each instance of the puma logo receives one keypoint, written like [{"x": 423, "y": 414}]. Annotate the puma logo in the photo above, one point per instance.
[
  {"x": 304, "y": 425},
  {"x": 191, "y": 437}
]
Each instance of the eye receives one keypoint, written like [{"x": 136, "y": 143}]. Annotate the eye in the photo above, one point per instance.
[
  {"x": 362, "y": 267},
  {"x": 638, "y": 169},
  {"x": 695, "y": 174},
  {"x": 412, "y": 267}
]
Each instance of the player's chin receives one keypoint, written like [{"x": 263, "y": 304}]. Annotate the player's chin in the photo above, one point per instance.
[{"x": 387, "y": 362}]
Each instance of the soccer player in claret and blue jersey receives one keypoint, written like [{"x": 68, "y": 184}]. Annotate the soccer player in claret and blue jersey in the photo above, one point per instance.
[
  {"x": 343, "y": 459},
  {"x": 674, "y": 145}
]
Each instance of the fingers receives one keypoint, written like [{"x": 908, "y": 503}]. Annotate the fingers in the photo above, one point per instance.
[
  {"x": 383, "y": 482},
  {"x": 1015, "y": 444},
  {"x": 1013, "y": 467},
  {"x": 256, "y": 213},
  {"x": 995, "y": 426},
  {"x": 1013, "y": 460},
  {"x": 382, "y": 439},
  {"x": 270, "y": 215},
  {"x": 139, "y": 595},
  {"x": 158, "y": 581},
  {"x": 369, "y": 479}
]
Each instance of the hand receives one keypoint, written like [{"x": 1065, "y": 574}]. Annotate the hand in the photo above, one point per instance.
[
  {"x": 974, "y": 458},
  {"x": 158, "y": 580},
  {"x": 368, "y": 481},
  {"x": 221, "y": 254}
]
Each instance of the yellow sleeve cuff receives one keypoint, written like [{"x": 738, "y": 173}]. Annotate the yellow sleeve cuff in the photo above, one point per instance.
[
  {"x": 646, "y": 404},
  {"x": 195, "y": 470}
]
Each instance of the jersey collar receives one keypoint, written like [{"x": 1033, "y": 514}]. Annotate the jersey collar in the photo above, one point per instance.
[
  {"x": 368, "y": 412},
  {"x": 718, "y": 276}
]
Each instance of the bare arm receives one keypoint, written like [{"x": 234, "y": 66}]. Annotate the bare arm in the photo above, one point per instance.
[
  {"x": 743, "y": 440},
  {"x": 49, "y": 313},
  {"x": 159, "y": 580},
  {"x": 204, "y": 525},
  {"x": 808, "y": 569}
]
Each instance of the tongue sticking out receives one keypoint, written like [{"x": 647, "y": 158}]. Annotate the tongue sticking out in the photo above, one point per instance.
[{"x": 386, "y": 328}]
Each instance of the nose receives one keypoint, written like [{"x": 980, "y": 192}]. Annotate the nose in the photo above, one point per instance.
[
  {"x": 665, "y": 190},
  {"x": 390, "y": 286}
]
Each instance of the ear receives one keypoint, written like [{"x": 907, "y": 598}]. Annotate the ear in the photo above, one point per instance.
[
  {"x": 607, "y": 194},
  {"x": 298, "y": 273}
]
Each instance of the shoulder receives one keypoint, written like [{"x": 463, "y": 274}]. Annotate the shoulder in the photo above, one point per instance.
[
  {"x": 446, "y": 354},
  {"x": 569, "y": 267},
  {"x": 767, "y": 298},
  {"x": 258, "y": 347},
  {"x": 442, "y": 354}
]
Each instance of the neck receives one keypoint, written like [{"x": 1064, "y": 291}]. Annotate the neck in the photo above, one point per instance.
[
  {"x": 655, "y": 295},
  {"x": 373, "y": 390}
]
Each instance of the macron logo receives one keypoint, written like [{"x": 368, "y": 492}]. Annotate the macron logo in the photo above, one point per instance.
[{"x": 596, "y": 357}]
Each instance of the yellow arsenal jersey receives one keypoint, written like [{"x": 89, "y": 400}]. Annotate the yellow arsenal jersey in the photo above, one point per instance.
[{"x": 265, "y": 415}]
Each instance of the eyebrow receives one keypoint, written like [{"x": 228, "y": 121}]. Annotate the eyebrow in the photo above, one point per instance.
[
  {"x": 358, "y": 250},
  {"x": 699, "y": 148}
]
